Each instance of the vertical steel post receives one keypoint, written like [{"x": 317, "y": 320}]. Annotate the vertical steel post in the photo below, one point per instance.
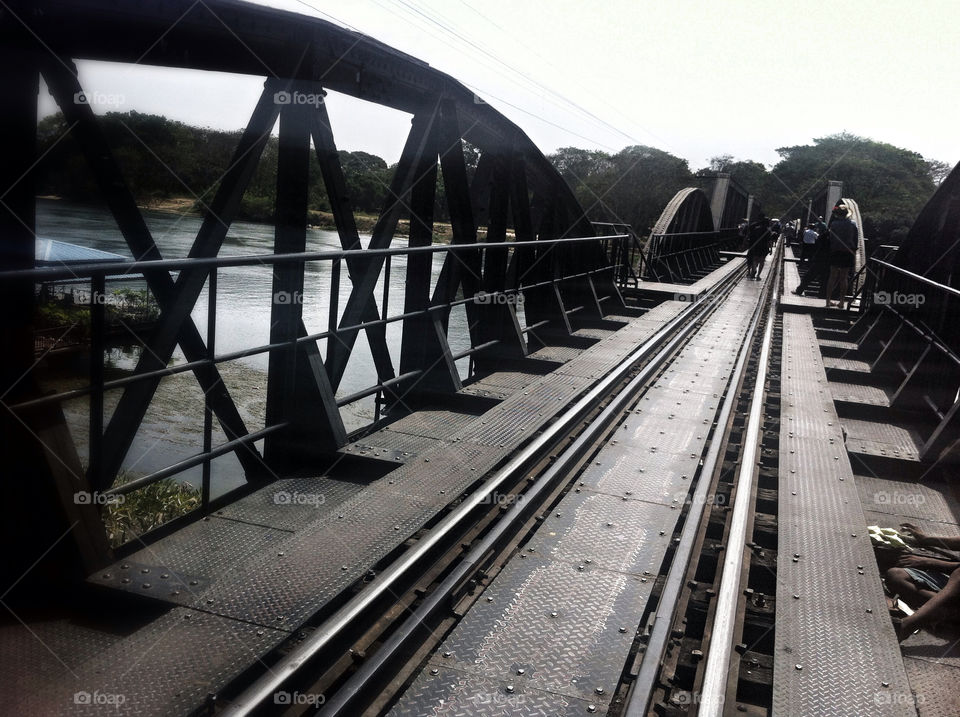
[
  {"x": 98, "y": 298},
  {"x": 207, "y": 408}
]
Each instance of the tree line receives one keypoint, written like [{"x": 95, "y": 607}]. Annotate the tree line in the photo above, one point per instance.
[{"x": 161, "y": 159}]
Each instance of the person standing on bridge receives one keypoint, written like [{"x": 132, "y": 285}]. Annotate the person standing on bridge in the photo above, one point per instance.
[
  {"x": 758, "y": 236},
  {"x": 810, "y": 237},
  {"x": 843, "y": 249}
]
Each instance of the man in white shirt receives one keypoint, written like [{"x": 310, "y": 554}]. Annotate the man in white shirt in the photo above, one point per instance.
[{"x": 809, "y": 242}]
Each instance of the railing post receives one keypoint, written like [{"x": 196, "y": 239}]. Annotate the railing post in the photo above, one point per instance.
[
  {"x": 207, "y": 408},
  {"x": 98, "y": 298}
]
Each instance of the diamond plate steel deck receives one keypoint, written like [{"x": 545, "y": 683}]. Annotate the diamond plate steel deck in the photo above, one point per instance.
[
  {"x": 560, "y": 618},
  {"x": 168, "y": 667},
  {"x": 286, "y": 585},
  {"x": 846, "y": 364},
  {"x": 520, "y": 415},
  {"x": 594, "y": 530},
  {"x": 834, "y": 644},
  {"x": 46, "y": 653},
  {"x": 839, "y": 345},
  {"x": 591, "y": 333},
  {"x": 568, "y": 630},
  {"x": 291, "y": 503},
  {"x": 392, "y": 445},
  {"x": 940, "y": 649},
  {"x": 930, "y": 501},
  {"x": 934, "y": 689},
  {"x": 560, "y": 354},
  {"x": 510, "y": 380},
  {"x": 431, "y": 423},
  {"x": 444, "y": 691},
  {"x": 859, "y": 393},
  {"x": 182, "y": 565},
  {"x": 883, "y": 439}
]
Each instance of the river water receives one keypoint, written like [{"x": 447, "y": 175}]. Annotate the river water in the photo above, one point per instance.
[{"x": 172, "y": 429}]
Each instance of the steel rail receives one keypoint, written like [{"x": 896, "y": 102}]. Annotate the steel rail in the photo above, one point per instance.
[
  {"x": 642, "y": 688},
  {"x": 713, "y": 688},
  {"x": 290, "y": 664}
]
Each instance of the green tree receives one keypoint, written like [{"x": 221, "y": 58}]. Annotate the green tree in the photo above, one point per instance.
[{"x": 890, "y": 184}]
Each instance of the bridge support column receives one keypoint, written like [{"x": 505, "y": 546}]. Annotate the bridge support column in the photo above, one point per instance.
[
  {"x": 298, "y": 391},
  {"x": 58, "y": 537},
  {"x": 718, "y": 199}
]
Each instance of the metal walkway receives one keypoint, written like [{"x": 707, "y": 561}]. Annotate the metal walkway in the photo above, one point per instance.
[
  {"x": 836, "y": 651},
  {"x": 552, "y": 633}
]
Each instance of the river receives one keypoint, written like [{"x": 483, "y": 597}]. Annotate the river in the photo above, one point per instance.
[{"x": 172, "y": 429}]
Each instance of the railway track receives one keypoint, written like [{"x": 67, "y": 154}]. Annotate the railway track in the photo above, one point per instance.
[{"x": 367, "y": 655}]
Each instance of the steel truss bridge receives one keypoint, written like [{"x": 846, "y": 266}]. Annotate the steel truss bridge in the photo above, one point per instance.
[{"x": 628, "y": 482}]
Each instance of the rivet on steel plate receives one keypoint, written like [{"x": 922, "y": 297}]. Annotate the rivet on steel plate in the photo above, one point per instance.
[
  {"x": 869, "y": 611},
  {"x": 796, "y": 597},
  {"x": 164, "y": 576},
  {"x": 591, "y": 708},
  {"x": 446, "y": 653},
  {"x": 554, "y": 613},
  {"x": 343, "y": 567},
  {"x": 174, "y": 593},
  {"x": 146, "y": 586},
  {"x": 489, "y": 599},
  {"x": 106, "y": 576},
  {"x": 280, "y": 554},
  {"x": 884, "y": 684},
  {"x": 124, "y": 566},
  {"x": 125, "y": 580},
  {"x": 209, "y": 601},
  {"x": 799, "y": 667},
  {"x": 520, "y": 670},
  {"x": 259, "y": 633},
  {"x": 599, "y": 690},
  {"x": 434, "y": 671},
  {"x": 396, "y": 527},
  {"x": 194, "y": 582}
]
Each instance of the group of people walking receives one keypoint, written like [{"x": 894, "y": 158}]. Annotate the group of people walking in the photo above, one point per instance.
[{"x": 827, "y": 251}]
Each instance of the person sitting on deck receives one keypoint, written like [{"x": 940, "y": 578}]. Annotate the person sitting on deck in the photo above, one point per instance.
[{"x": 930, "y": 583}]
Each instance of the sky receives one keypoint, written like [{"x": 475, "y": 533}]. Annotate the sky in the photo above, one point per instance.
[{"x": 694, "y": 78}]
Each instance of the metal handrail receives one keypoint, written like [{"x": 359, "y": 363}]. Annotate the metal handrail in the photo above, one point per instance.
[
  {"x": 102, "y": 268},
  {"x": 96, "y": 274},
  {"x": 917, "y": 277}
]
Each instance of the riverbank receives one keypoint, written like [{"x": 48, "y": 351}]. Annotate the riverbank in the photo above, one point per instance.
[{"x": 442, "y": 231}]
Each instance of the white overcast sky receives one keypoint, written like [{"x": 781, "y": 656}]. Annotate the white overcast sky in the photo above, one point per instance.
[{"x": 695, "y": 78}]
